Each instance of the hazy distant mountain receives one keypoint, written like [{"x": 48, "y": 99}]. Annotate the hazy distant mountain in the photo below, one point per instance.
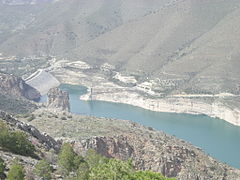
[{"x": 193, "y": 43}]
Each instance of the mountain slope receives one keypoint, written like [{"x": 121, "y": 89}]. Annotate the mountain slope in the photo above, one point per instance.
[
  {"x": 214, "y": 58},
  {"x": 194, "y": 41}
]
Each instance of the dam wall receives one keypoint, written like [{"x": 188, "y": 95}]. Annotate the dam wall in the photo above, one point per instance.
[{"x": 42, "y": 81}]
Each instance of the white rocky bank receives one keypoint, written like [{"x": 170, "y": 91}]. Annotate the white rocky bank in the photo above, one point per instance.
[
  {"x": 171, "y": 104},
  {"x": 108, "y": 91}
]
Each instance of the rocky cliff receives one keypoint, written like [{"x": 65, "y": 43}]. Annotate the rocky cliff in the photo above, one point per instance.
[
  {"x": 161, "y": 153},
  {"x": 15, "y": 86},
  {"x": 58, "y": 100}
]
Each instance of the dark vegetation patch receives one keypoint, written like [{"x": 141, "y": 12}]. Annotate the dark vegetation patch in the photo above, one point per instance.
[
  {"x": 15, "y": 141},
  {"x": 15, "y": 105}
]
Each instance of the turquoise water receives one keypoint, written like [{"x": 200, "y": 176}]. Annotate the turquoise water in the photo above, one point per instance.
[{"x": 216, "y": 137}]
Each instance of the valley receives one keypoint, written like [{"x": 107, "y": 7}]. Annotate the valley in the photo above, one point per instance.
[{"x": 157, "y": 82}]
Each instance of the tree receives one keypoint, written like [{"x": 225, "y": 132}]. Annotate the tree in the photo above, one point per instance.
[
  {"x": 4, "y": 135},
  {"x": 43, "y": 169},
  {"x": 78, "y": 160},
  {"x": 96, "y": 167},
  {"x": 112, "y": 170},
  {"x": 83, "y": 171},
  {"x": 94, "y": 159},
  {"x": 66, "y": 158},
  {"x": 16, "y": 172},
  {"x": 2, "y": 168},
  {"x": 20, "y": 144},
  {"x": 116, "y": 169},
  {"x": 15, "y": 141},
  {"x": 148, "y": 175}
]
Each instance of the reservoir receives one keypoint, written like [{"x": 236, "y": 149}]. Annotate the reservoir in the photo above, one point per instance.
[{"x": 216, "y": 137}]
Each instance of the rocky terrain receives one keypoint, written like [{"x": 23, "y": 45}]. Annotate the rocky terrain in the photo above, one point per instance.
[
  {"x": 13, "y": 85},
  {"x": 149, "y": 149},
  {"x": 58, "y": 99},
  {"x": 43, "y": 139},
  {"x": 16, "y": 96},
  {"x": 45, "y": 150},
  {"x": 43, "y": 143}
]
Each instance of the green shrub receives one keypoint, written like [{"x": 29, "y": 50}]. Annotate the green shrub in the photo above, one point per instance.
[
  {"x": 78, "y": 160},
  {"x": 116, "y": 169},
  {"x": 19, "y": 144},
  {"x": 16, "y": 172},
  {"x": 31, "y": 118},
  {"x": 66, "y": 158},
  {"x": 148, "y": 175},
  {"x": 83, "y": 171},
  {"x": 94, "y": 159},
  {"x": 2, "y": 168},
  {"x": 26, "y": 115},
  {"x": 15, "y": 141},
  {"x": 4, "y": 135},
  {"x": 63, "y": 118},
  {"x": 96, "y": 167},
  {"x": 112, "y": 170},
  {"x": 43, "y": 169}
]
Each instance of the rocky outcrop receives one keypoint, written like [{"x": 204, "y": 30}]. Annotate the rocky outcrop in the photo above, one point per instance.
[
  {"x": 15, "y": 86},
  {"x": 58, "y": 99},
  {"x": 47, "y": 141},
  {"x": 9, "y": 157},
  {"x": 161, "y": 153}
]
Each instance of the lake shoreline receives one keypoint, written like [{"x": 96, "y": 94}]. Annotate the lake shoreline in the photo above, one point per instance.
[
  {"x": 105, "y": 90},
  {"x": 170, "y": 105}
]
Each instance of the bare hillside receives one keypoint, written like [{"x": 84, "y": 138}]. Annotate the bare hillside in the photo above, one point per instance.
[{"x": 193, "y": 44}]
